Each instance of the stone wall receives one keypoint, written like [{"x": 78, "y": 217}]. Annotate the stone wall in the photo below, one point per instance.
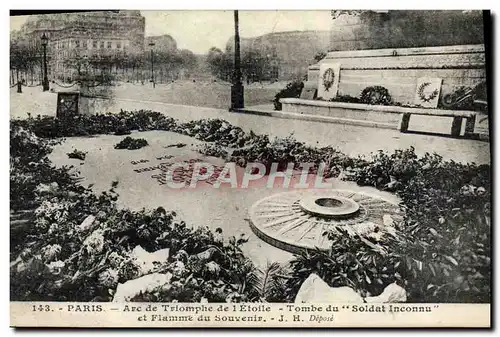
[
  {"x": 163, "y": 43},
  {"x": 399, "y": 69}
]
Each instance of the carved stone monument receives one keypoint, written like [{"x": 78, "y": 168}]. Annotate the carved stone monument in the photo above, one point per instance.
[{"x": 328, "y": 81}]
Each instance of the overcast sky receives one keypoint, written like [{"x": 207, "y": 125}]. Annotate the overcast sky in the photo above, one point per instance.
[{"x": 200, "y": 30}]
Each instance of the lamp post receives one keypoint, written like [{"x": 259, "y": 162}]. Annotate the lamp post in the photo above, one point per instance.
[
  {"x": 152, "y": 44},
  {"x": 45, "y": 82},
  {"x": 237, "y": 96}
]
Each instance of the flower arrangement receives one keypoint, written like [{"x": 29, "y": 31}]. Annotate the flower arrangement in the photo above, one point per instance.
[
  {"x": 375, "y": 95},
  {"x": 76, "y": 154},
  {"x": 80, "y": 247},
  {"x": 426, "y": 97}
]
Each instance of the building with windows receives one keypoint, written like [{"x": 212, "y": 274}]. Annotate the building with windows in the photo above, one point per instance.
[{"x": 92, "y": 34}]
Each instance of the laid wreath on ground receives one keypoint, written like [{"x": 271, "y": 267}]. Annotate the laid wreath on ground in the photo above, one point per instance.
[
  {"x": 376, "y": 95},
  {"x": 131, "y": 143},
  {"x": 77, "y": 154},
  {"x": 292, "y": 90},
  {"x": 426, "y": 97}
]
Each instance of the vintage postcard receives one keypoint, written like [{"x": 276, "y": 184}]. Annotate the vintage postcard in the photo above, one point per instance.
[{"x": 260, "y": 169}]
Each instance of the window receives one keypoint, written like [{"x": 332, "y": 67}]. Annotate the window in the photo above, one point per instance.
[
  {"x": 118, "y": 45},
  {"x": 109, "y": 44},
  {"x": 94, "y": 44},
  {"x": 77, "y": 43},
  {"x": 85, "y": 44},
  {"x": 102, "y": 44}
]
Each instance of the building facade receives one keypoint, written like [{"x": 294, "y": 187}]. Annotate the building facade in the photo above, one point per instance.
[{"x": 91, "y": 34}]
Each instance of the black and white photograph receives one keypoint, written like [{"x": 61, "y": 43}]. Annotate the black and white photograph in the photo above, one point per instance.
[{"x": 297, "y": 157}]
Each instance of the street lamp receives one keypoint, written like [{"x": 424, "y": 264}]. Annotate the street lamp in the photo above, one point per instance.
[
  {"x": 152, "y": 44},
  {"x": 237, "y": 96},
  {"x": 45, "y": 82}
]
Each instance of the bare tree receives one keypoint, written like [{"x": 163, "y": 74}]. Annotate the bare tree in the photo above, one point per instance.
[{"x": 23, "y": 59}]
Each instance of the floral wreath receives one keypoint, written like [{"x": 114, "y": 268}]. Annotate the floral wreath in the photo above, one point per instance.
[
  {"x": 422, "y": 95},
  {"x": 328, "y": 78}
]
